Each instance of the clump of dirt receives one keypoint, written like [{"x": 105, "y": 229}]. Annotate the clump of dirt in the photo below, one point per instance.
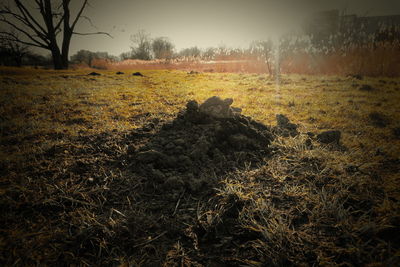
[
  {"x": 285, "y": 127},
  {"x": 201, "y": 142},
  {"x": 137, "y": 74},
  {"x": 94, "y": 74},
  {"x": 329, "y": 137}
]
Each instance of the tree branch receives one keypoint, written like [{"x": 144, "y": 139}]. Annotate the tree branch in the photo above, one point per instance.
[
  {"x": 57, "y": 27},
  {"x": 79, "y": 15},
  {"x": 24, "y": 20},
  {"x": 94, "y": 33},
  {"x": 24, "y": 32},
  {"x": 27, "y": 15},
  {"x": 6, "y": 36}
]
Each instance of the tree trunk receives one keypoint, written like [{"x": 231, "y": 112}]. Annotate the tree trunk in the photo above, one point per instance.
[
  {"x": 269, "y": 67},
  {"x": 65, "y": 49},
  {"x": 18, "y": 60},
  {"x": 64, "y": 61},
  {"x": 67, "y": 35},
  {"x": 57, "y": 62},
  {"x": 57, "y": 59}
]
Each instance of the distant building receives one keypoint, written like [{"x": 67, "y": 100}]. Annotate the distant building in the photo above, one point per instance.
[
  {"x": 322, "y": 24},
  {"x": 330, "y": 26}
]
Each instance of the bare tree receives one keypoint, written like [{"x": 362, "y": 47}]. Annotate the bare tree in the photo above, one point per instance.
[
  {"x": 162, "y": 48},
  {"x": 84, "y": 56},
  {"x": 209, "y": 53},
  {"x": 264, "y": 49},
  {"x": 13, "y": 51},
  {"x": 190, "y": 53},
  {"x": 87, "y": 57},
  {"x": 141, "y": 45},
  {"x": 40, "y": 22}
]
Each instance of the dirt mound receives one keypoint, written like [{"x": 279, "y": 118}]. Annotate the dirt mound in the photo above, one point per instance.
[
  {"x": 94, "y": 74},
  {"x": 137, "y": 74},
  {"x": 201, "y": 142}
]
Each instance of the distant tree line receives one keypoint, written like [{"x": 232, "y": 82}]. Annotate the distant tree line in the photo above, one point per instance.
[
  {"x": 88, "y": 57},
  {"x": 16, "y": 54},
  {"x": 143, "y": 47}
]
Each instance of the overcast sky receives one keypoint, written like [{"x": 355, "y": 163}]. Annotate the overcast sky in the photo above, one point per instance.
[{"x": 204, "y": 23}]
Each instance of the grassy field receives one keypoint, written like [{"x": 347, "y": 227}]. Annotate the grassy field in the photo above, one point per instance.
[{"x": 70, "y": 194}]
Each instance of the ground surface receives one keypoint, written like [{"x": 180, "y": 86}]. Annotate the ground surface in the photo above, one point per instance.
[{"x": 75, "y": 191}]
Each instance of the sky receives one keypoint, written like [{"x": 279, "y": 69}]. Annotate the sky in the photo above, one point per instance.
[{"x": 205, "y": 23}]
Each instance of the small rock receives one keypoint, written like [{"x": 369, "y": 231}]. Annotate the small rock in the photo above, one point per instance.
[
  {"x": 137, "y": 74},
  {"x": 119, "y": 72},
  {"x": 216, "y": 107},
  {"x": 329, "y": 137}
]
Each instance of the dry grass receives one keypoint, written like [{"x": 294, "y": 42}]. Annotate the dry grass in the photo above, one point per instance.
[
  {"x": 373, "y": 60},
  {"x": 69, "y": 194}
]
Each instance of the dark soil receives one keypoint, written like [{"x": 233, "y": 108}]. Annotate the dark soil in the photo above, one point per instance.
[{"x": 190, "y": 151}]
